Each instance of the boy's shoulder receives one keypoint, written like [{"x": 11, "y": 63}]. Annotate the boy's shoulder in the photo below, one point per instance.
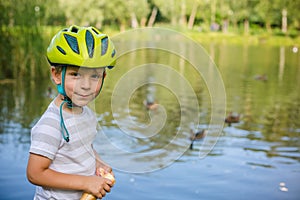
[
  {"x": 52, "y": 111},
  {"x": 50, "y": 116}
]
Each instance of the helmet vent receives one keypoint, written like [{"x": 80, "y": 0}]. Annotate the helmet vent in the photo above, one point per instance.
[
  {"x": 104, "y": 45},
  {"x": 113, "y": 53},
  {"x": 72, "y": 41},
  {"x": 97, "y": 32},
  {"x": 61, "y": 50},
  {"x": 89, "y": 40},
  {"x": 74, "y": 29}
]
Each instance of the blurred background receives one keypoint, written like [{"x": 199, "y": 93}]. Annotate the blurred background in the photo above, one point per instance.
[{"x": 253, "y": 43}]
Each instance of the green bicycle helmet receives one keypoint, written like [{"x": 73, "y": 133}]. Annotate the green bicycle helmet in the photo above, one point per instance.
[{"x": 83, "y": 47}]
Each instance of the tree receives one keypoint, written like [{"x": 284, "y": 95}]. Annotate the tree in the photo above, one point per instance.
[
  {"x": 193, "y": 13},
  {"x": 170, "y": 9},
  {"x": 152, "y": 17},
  {"x": 224, "y": 12},
  {"x": 293, "y": 13},
  {"x": 282, "y": 14},
  {"x": 139, "y": 11},
  {"x": 242, "y": 10},
  {"x": 88, "y": 12},
  {"x": 267, "y": 11}
]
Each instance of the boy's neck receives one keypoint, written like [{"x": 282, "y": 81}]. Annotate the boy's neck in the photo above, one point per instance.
[{"x": 74, "y": 110}]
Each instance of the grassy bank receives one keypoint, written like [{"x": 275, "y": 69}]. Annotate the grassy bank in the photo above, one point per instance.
[
  {"x": 235, "y": 36},
  {"x": 261, "y": 37},
  {"x": 231, "y": 38}
]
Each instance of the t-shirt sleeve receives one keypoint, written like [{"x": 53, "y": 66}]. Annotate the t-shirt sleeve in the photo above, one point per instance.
[{"x": 45, "y": 138}]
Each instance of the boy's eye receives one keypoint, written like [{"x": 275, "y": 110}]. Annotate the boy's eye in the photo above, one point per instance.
[
  {"x": 97, "y": 76},
  {"x": 75, "y": 74}
]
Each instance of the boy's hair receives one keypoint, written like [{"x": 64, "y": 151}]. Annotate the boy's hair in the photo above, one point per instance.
[{"x": 58, "y": 70}]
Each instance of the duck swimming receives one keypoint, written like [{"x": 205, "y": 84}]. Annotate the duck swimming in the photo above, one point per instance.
[
  {"x": 262, "y": 77},
  {"x": 150, "y": 105},
  {"x": 232, "y": 118},
  {"x": 197, "y": 136}
]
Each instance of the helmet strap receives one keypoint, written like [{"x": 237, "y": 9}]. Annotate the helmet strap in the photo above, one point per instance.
[
  {"x": 64, "y": 130},
  {"x": 104, "y": 75},
  {"x": 61, "y": 88},
  {"x": 66, "y": 99}
]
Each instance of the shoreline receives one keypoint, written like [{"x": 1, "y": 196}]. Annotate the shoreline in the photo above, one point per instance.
[
  {"x": 260, "y": 38},
  {"x": 251, "y": 40}
]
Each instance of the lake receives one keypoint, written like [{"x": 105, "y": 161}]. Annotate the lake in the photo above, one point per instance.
[{"x": 192, "y": 88}]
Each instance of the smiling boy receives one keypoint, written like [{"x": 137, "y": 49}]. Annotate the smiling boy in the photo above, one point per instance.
[{"x": 62, "y": 162}]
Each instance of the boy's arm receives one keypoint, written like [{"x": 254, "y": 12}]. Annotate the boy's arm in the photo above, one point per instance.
[
  {"x": 38, "y": 173},
  {"x": 101, "y": 164}
]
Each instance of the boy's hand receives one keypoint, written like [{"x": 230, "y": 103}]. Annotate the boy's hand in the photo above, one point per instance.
[
  {"x": 106, "y": 173},
  {"x": 101, "y": 164},
  {"x": 98, "y": 186}
]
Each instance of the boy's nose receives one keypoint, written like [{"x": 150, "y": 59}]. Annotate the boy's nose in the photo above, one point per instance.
[{"x": 85, "y": 83}]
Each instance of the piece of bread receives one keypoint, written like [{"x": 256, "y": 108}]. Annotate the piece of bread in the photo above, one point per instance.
[{"x": 87, "y": 196}]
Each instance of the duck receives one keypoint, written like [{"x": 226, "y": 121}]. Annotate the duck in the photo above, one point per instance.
[
  {"x": 197, "y": 136},
  {"x": 232, "y": 118},
  {"x": 262, "y": 77},
  {"x": 150, "y": 105}
]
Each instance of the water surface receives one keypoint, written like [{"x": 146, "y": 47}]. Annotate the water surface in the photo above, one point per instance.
[{"x": 258, "y": 157}]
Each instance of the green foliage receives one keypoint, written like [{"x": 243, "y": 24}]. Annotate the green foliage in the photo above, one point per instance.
[
  {"x": 123, "y": 14},
  {"x": 26, "y": 26}
]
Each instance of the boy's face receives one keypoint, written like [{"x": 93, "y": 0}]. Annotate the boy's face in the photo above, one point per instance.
[{"x": 82, "y": 85}]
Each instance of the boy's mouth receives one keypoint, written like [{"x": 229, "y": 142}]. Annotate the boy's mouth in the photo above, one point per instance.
[{"x": 84, "y": 95}]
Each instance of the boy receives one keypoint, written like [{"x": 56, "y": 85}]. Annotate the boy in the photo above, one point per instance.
[{"x": 62, "y": 161}]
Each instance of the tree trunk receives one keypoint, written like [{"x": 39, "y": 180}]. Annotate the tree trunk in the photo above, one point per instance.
[
  {"x": 213, "y": 12},
  {"x": 268, "y": 26},
  {"x": 134, "y": 21},
  {"x": 122, "y": 27},
  {"x": 182, "y": 20},
  {"x": 192, "y": 16},
  {"x": 152, "y": 17},
  {"x": 225, "y": 25},
  {"x": 143, "y": 21},
  {"x": 246, "y": 27},
  {"x": 284, "y": 21}
]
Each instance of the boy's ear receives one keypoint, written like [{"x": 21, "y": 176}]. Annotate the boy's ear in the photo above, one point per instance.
[{"x": 55, "y": 76}]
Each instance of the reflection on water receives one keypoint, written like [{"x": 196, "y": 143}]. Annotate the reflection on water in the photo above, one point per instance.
[{"x": 260, "y": 155}]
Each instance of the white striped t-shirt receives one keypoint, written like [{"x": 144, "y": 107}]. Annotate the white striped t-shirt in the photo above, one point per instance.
[{"x": 73, "y": 157}]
